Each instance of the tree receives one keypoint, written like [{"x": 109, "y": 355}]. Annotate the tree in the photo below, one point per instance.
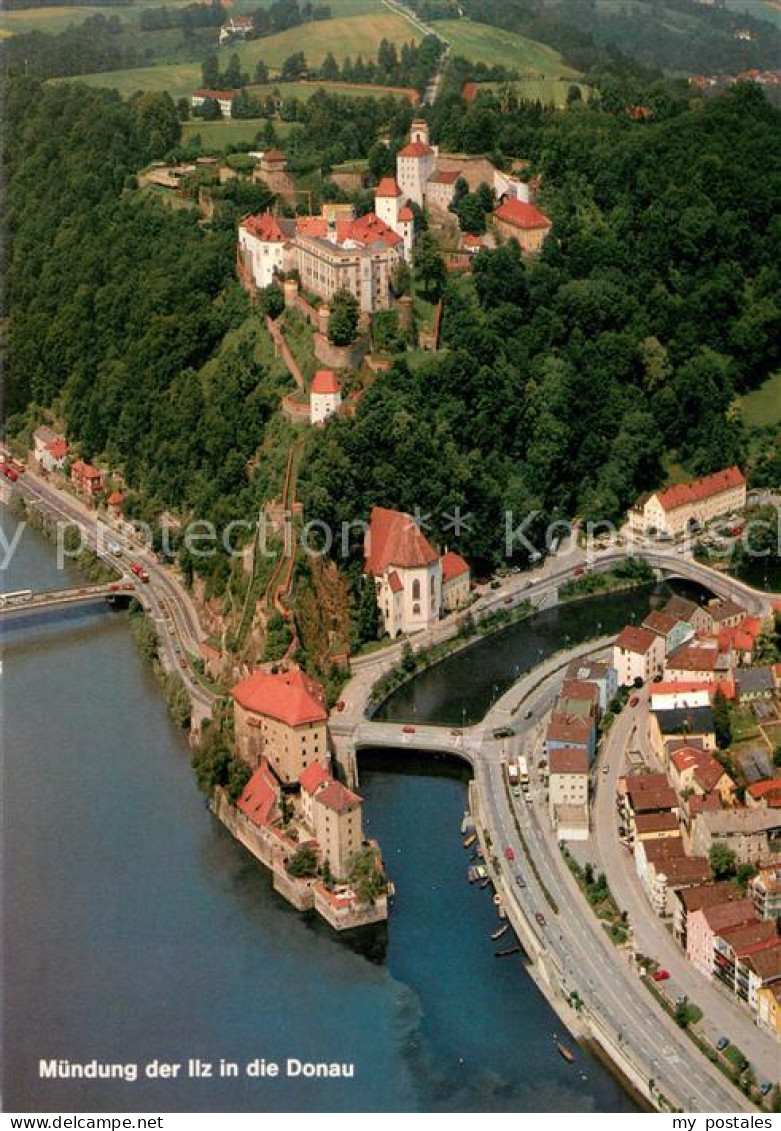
[
  {"x": 368, "y": 621},
  {"x": 722, "y": 860},
  {"x": 722, "y": 720},
  {"x": 329, "y": 68},
  {"x": 471, "y": 215},
  {"x": 343, "y": 320},
  {"x": 261, "y": 75},
  {"x": 209, "y": 110},
  {"x": 366, "y": 876},
  {"x": 233, "y": 78},
  {"x": 183, "y": 109},
  {"x": 430, "y": 266},
  {"x": 303, "y": 863},
  {"x": 272, "y": 300},
  {"x": 401, "y": 280},
  {"x": 294, "y": 67},
  {"x": 210, "y": 71}
]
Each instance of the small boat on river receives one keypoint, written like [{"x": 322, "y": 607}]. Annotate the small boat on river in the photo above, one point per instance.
[{"x": 497, "y": 934}]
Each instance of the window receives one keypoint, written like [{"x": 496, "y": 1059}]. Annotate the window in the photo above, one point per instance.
[
  {"x": 416, "y": 610},
  {"x": 416, "y": 590}
]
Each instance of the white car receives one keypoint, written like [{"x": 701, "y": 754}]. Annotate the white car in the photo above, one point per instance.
[{"x": 115, "y": 549}]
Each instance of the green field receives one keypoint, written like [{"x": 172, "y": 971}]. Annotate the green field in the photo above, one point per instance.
[
  {"x": 351, "y": 36},
  {"x": 305, "y": 90},
  {"x": 483, "y": 44},
  {"x": 55, "y": 19},
  {"x": 348, "y": 35},
  {"x": 217, "y": 135},
  {"x": 551, "y": 92},
  {"x": 763, "y": 406}
]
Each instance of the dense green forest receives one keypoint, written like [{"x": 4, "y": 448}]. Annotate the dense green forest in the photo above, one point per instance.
[
  {"x": 564, "y": 384},
  {"x": 567, "y": 381}
]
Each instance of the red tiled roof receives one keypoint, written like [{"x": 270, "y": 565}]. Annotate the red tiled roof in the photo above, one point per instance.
[
  {"x": 683, "y": 494},
  {"x": 325, "y": 381},
  {"x": 656, "y": 822},
  {"x": 659, "y": 622},
  {"x": 366, "y": 230},
  {"x": 291, "y": 697},
  {"x": 388, "y": 186},
  {"x": 453, "y": 565},
  {"x": 521, "y": 215},
  {"x": 470, "y": 240},
  {"x": 264, "y": 227},
  {"x": 416, "y": 149},
  {"x": 683, "y": 870},
  {"x": 766, "y": 962},
  {"x": 259, "y": 799},
  {"x": 721, "y": 916},
  {"x": 115, "y": 499},
  {"x": 85, "y": 470},
  {"x": 316, "y": 226},
  {"x": 568, "y": 760},
  {"x": 574, "y": 730},
  {"x": 580, "y": 689},
  {"x": 57, "y": 449},
  {"x": 337, "y": 797},
  {"x": 670, "y": 688},
  {"x": 274, "y": 155},
  {"x": 314, "y": 776},
  {"x": 693, "y": 659},
  {"x": 469, "y": 91},
  {"x": 406, "y": 214},
  {"x": 445, "y": 176},
  {"x": 707, "y": 803},
  {"x": 746, "y": 937},
  {"x": 770, "y": 790},
  {"x": 216, "y": 95},
  {"x": 395, "y": 539},
  {"x": 638, "y": 640}
]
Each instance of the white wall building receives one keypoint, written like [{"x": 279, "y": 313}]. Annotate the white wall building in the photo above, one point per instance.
[
  {"x": 325, "y": 396},
  {"x": 406, "y": 569},
  {"x": 262, "y": 247},
  {"x": 390, "y": 208},
  {"x": 638, "y": 653}
]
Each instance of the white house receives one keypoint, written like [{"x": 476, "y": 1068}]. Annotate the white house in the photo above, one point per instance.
[
  {"x": 415, "y": 164},
  {"x": 568, "y": 792},
  {"x": 223, "y": 98},
  {"x": 50, "y": 449},
  {"x": 701, "y": 500},
  {"x": 262, "y": 247},
  {"x": 325, "y": 396},
  {"x": 406, "y": 569},
  {"x": 398, "y": 216},
  {"x": 638, "y": 653}
]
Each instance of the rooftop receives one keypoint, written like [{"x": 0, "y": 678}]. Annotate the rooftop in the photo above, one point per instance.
[
  {"x": 711, "y": 895},
  {"x": 693, "y": 658},
  {"x": 568, "y": 760},
  {"x": 656, "y": 822},
  {"x": 416, "y": 149},
  {"x": 637, "y": 640},
  {"x": 684, "y": 494},
  {"x": 395, "y": 539},
  {"x": 453, "y": 565},
  {"x": 659, "y": 622},
  {"x": 258, "y": 800},
  {"x": 388, "y": 186},
  {"x": 520, "y": 215},
  {"x": 754, "y": 680},
  {"x": 337, "y": 797},
  {"x": 685, "y": 720},
  {"x": 721, "y": 916},
  {"x": 580, "y": 689},
  {"x": 324, "y": 382},
  {"x": 573, "y": 730},
  {"x": 291, "y": 697},
  {"x": 315, "y": 775}
]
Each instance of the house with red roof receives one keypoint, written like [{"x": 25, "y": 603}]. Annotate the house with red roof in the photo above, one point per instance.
[
  {"x": 415, "y": 164},
  {"x": 87, "y": 480},
  {"x": 696, "y": 771},
  {"x": 455, "y": 581},
  {"x": 223, "y": 98},
  {"x": 391, "y": 207},
  {"x": 638, "y": 654},
  {"x": 49, "y": 448},
  {"x": 764, "y": 794},
  {"x": 337, "y": 826},
  {"x": 259, "y": 800},
  {"x": 280, "y": 716},
  {"x": 261, "y": 247},
  {"x": 519, "y": 220},
  {"x": 671, "y": 510},
  {"x": 406, "y": 569},
  {"x": 441, "y": 188},
  {"x": 325, "y": 396}
]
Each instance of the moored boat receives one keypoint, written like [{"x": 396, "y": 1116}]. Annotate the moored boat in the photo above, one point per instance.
[
  {"x": 497, "y": 934},
  {"x": 506, "y": 951},
  {"x": 565, "y": 1052}
]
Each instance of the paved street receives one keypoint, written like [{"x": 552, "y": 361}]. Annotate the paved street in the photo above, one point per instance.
[{"x": 723, "y": 1015}]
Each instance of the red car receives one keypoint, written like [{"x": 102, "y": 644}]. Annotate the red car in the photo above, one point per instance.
[
  {"x": 9, "y": 473},
  {"x": 508, "y": 853},
  {"x": 408, "y": 729},
  {"x": 633, "y": 701},
  {"x": 661, "y": 975},
  {"x": 579, "y": 571}
]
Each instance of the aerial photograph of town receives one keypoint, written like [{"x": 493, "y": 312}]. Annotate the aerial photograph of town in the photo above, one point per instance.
[{"x": 390, "y": 521}]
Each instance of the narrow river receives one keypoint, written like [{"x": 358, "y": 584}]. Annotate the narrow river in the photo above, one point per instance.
[{"x": 135, "y": 928}]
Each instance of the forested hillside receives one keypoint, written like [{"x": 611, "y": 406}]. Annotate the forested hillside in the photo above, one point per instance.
[{"x": 567, "y": 381}]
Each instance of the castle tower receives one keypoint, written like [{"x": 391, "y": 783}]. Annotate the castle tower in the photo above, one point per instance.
[{"x": 419, "y": 131}]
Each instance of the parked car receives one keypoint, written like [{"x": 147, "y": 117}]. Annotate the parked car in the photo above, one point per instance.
[
  {"x": 540, "y": 918},
  {"x": 579, "y": 571},
  {"x": 606, "y": 768},
  {"x": 408, "y": 729},
  {"x": 634, "y": 701},
  {"x": 509, "y": 854},
  {"x": 115, "y": 549},
  {"x": 722, "y": 1043},
  {"x": 661, "y": 975},
  {"x": 520, "y": 881},
  {"x": 528, "y": 714},
  {"x": 765, "y": 1087}
]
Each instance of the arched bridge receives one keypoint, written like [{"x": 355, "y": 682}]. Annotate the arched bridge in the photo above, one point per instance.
[{"x": 27, "y": 601}]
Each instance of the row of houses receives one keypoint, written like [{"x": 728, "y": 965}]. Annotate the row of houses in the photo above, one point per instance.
[
  {"x": 571, "y": 743},
  {"x": 685, "y": 643},
  {"x": 53, "y": 455}
]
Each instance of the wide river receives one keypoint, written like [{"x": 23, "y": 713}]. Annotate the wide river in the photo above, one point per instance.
[{"x": 136, "y": 929}]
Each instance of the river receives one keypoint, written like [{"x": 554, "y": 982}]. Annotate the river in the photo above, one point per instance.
[
  {"x": 460, "y": 689},
  {"x": 135, "y": 928}
]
